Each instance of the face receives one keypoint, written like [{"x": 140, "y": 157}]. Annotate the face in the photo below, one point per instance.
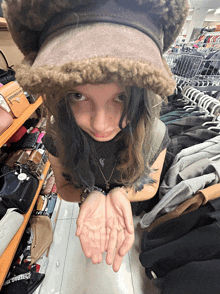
[{"x": 98, "y": 109}]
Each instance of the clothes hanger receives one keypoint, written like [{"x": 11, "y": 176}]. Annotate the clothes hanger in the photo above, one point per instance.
[
  {"x": 193, "y": 103},
  {"x": 189, "y": 95},
  {"x": 206, "y": 100},
  {"x": 216, "y": 123},
  {"x": 213, "y": 111},
  {"x": 202, "y": 101},
  {"x": 216, "y": 129},
  {"x": 183, "y": 95},
  {"x": 215, "y": 158},
  {"x": 209, "y": 103}
]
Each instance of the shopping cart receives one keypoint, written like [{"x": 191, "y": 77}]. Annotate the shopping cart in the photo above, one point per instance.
[{"x": 196, "y": 70}]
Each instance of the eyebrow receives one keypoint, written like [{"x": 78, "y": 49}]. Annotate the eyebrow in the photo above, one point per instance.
[{"x": 117, "y": 94}]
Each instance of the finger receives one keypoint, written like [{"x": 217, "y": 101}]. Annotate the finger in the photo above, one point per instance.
[
  {"x": 117, "y": 263},
  {"x": 97, "y": 242},
  {"x": 111, "y": 246},
  {"x": 79, "y": 230},
  {"x": 100, "y": 258},
  {"x": 102, "y": 239},
  {"x": 128, "y": 219},
  {"x": 83, "y": 214},
  {"x": 108, "y": 230},
  {"x": 126, "y": 245},
  {"x": 96, "y": 257},
  {"x": 85, "y": 246},
  {"x": 118, "y": 258},
  {"x": 88, "y": 241}
]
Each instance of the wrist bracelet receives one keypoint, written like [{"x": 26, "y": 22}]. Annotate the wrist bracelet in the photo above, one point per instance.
[{"x": 87, "y": 191}]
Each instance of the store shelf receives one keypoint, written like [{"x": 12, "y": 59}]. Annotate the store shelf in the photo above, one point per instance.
[
  {"x": 18, "y": 122},
  {"x": 7, "y": 257},
  {"x": 3, "y": 24}
]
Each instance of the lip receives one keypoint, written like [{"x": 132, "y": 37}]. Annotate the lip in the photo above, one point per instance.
[{"x": 102, "y": 135}]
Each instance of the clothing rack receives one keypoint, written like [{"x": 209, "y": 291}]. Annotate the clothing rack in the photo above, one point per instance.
[
  {"x": 195, "y": 68},
  {"x": 204, "y": 86},
  {"x": 198, "y": 98}
]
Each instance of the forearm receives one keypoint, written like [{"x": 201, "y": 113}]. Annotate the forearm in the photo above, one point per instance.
[
  {"x": 148, "y": 192},
  {"x": 69, "y": 193}
]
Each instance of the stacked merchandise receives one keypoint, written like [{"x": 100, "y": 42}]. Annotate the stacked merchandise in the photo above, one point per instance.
[
  {"x": 23, "y": 160},
  {"x": 181, "y": 240},
  {"x": 30, "y": 262}
]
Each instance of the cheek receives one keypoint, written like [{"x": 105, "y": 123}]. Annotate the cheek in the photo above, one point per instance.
[
  {"x": 81, "y": 114},
  {"x": 114, "y": 111}
]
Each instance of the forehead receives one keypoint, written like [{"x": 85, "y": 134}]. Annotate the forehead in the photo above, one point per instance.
[{"x": 100, "y": 89}]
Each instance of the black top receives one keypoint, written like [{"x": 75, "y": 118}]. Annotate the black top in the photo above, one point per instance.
[{"x": 106, "y": 158}]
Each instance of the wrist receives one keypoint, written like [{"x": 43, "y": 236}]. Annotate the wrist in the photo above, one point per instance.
[
  {"x": 121, "y": 189},
  {"x": 85, "y": 193}
]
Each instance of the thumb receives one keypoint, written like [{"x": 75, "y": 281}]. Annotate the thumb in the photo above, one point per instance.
[
  {"x": 128, "y": 218},
  {"x": 81, "y": 219}
]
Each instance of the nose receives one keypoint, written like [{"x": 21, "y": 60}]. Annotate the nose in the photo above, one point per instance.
[{"x": 100, "y": 120}]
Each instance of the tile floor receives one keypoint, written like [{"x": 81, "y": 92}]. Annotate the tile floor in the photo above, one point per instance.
[{"x": 70, "y": 272}]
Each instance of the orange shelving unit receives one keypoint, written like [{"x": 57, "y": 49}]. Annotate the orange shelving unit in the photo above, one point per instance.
[
  {"x": 7, "y": 257},
  {"x": 18, "y": 122}
]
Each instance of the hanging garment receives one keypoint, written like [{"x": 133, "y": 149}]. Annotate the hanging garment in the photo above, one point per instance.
[
  {"x": 187, "y": 206},
  {"x": 175, "y": 228},
  {"x": 43, "y": 235},
  {"x": 200, "y": 244},
  {"x": 195, "y": 177},
  {"x": 190, "y": 137},
  {"x": 201, "y": 198},
  {"x": 188, "y": 238},
  {"x": 22, "y": 280},
  {"x": 179, "y": 126},
  {"x": 198, "y": 277},
  {"x": 198, "y": 155}
]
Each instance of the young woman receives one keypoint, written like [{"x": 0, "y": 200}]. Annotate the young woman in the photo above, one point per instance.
[
  {"x": 96, "y": 112},
  {"x": 99, "y": 66}
]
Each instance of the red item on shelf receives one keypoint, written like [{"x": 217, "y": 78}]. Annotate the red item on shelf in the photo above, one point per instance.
[{"x": 18, "y": 135}]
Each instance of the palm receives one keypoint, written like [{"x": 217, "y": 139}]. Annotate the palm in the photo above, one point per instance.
[
  {"x": 91, "y": 226},
  {"x": 120, "y": 229}
]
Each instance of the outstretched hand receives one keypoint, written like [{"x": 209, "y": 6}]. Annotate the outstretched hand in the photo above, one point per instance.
[
  {"x": 105, "y": 223},
  {"x": 91, "y": 226},
  {"x": 119, "y": 227}
]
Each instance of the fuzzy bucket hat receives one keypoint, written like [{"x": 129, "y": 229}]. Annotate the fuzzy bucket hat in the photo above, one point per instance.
[{"x": 74, "y": 42}]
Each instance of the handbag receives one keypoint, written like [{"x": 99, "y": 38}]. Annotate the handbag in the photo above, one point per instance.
[
  {"x": 37, "y": 161},
  {"x": 42, "y": 235},
  {"x": 15, "y": 98},
  {"x": 17, "y": 188},
  {"x": 8, "y": 75},
  {"x": 28, "y": 141},
  {"x": 47, "y": 189},
  {"x": 18, "y": 135},
  {"x": 18, "y": 158},
  {"x": 9, "y": 225},
  {"x": 31, "y": 98},
  {"x": 6, "y": 120}
]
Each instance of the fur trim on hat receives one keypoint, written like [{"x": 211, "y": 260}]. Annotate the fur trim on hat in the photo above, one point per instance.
[
  {"x": 27, "y": 18},
  {"x": 47, "y": 79}
]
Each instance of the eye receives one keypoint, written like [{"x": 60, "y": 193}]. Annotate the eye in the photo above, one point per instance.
[
  {"x": 75, "y": 97},
  {"x": 120, "y": 98}
]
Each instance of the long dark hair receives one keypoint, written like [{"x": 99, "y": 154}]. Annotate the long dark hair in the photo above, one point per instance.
[{"x": 141, "y": 107}]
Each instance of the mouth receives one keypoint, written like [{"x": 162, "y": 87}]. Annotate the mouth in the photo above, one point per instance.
[{"x": 102, "y": 135}]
